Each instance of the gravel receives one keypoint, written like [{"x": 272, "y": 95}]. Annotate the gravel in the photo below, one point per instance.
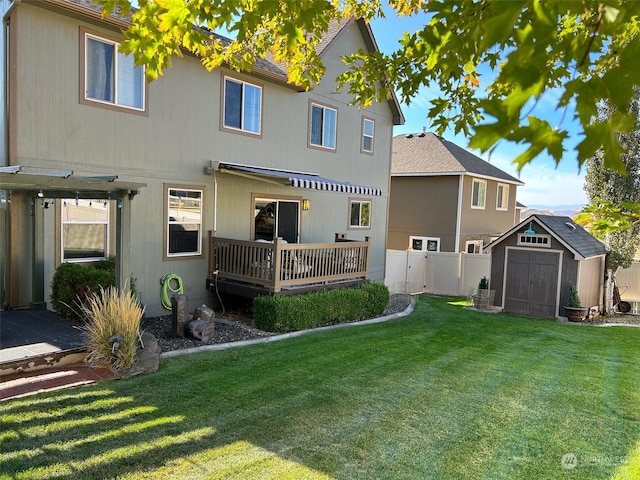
[{"x": 234, "y": 326}]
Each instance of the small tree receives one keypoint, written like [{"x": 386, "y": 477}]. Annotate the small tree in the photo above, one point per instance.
[{"x": 573, "y": 299}]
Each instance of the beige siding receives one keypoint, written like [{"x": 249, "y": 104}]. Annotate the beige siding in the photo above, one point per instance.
[
  {"x": 487, "y": 223},
  {"x": 423, "y": 206},
  {"x": 178, "y": 137}
]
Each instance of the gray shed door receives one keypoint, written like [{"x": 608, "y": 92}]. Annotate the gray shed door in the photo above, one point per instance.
[{"x": 531, "y": 286}]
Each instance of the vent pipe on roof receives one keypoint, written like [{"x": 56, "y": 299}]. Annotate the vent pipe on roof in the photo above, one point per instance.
[
  {"x": 409, "y": 136},
  {"x": 570, "y": 225}
]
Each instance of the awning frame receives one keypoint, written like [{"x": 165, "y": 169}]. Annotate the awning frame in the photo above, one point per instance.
[{"x": 291, "y": 178}]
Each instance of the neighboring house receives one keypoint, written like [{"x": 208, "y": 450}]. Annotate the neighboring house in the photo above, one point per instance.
[
  {"x": 535, "y": 262},
  {"x": 445, "y": 199},
  {"x": 102, "y": 163}
]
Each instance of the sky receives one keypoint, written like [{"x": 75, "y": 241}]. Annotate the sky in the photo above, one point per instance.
[{"x": 545, "y": 183}]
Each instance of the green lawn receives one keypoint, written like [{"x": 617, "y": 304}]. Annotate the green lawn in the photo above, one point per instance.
[{"x": 444, "y": 393}]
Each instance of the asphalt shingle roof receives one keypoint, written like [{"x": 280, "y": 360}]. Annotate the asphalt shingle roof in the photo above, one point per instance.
[
  {"x": 429, "y": 154},
  {"x": 573, "y": 235}
]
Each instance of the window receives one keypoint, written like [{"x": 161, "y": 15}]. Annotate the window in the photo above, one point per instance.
[
  {"x": 367, "y": 135},
  {"x": 276, "y": 218},
  {"x": 360, "y": 216},
  {"x": 502, "y": 203},
  {"x": 184, "y": 222},
  {"x": 535, "y": 240},
  {"x": 473, "y": 246},
  {"x": 478, "y": 193},
  {"x": 110, "y": 77},
  {"x": 242, "y": 106},
  {"x": 85, "y": 230},
  {"x": 323, "y": 126},
  {"x": 424, "y": 244}
]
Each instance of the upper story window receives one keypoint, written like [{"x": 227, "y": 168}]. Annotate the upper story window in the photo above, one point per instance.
[
  {"x": 85, "y": 230},
  {"x": 368, "y": 127},
  {"x": 110, "y": 77},
  {"x": 502, "y": 202},
  {"x": 478, "y": 193},
  {"x": 183, "y": 222},
  {"x": 323, "y": 126},
  {"x": 242, "y": 106},
  {"x": 537, "y": 240},
  {"x": 360, "y": 214}
]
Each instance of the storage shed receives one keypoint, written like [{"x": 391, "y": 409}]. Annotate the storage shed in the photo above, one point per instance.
[{"x": 534, "y": 263}]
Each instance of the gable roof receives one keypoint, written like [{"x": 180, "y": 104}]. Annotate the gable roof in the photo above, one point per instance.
[
  {"x": 575, "y": 238},
  {"x": 263, "y": 67},
  {"x": 426, "y": 154}
]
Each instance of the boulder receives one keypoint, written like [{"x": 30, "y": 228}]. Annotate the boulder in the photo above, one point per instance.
[
  {"x": 147, "y": 357},
  {"x": 202, "y": 326}
]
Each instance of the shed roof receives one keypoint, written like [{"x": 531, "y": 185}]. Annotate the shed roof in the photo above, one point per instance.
[
  {"x": 426, "y": 154},
  {"x": 575, "y": 238}
]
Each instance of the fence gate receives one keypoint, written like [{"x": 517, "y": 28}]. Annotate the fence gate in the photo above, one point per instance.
[{"x": 442, "y": 273}]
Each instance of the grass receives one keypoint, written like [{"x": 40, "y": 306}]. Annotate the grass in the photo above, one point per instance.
[{"x": 444, "y": 393}]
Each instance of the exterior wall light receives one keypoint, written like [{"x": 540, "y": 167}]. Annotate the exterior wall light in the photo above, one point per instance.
[{"x": 306, "y": 204}]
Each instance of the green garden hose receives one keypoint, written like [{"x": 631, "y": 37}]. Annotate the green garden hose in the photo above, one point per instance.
[{"x": 167, "y": 289}]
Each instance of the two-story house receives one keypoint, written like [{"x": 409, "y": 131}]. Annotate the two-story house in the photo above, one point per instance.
[
  {"x": 445, "y": 199},
  {"x": 98, "y": 162}
]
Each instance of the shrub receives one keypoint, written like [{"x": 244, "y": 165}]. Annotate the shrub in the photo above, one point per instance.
[
  {"x": 483, "y": 284},
  {"x": 573, "y": 299},
  {"x": 299, "y": 312},
  {"x": 112, "y": 328},
  {"x": 73, "y": 283}
]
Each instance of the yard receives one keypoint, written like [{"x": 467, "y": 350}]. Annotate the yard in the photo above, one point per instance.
[{"x": 444, "y": 393}]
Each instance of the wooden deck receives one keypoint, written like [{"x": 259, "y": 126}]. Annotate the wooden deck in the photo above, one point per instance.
[{"x": 251, "y": 268}]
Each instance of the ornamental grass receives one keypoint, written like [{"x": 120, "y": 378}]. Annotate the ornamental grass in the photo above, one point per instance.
[{"x": 112, "y": 328}]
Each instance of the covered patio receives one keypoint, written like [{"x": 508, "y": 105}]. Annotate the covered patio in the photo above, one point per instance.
[{"x": 25, "y": 184}]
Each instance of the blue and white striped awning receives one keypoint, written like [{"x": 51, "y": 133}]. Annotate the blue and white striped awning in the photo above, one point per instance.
[{"x": 299, "y": 179}]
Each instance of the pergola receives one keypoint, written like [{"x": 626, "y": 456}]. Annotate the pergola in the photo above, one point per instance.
[{"x": 64, "y": 184}]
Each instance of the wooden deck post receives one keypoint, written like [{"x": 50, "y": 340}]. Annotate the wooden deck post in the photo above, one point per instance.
[
  {"x": 367, "y": 253},
  {"x": 276, "y": 264}
]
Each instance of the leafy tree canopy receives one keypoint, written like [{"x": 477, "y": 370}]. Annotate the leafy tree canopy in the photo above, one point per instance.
[{"x": 580, "y": 51}]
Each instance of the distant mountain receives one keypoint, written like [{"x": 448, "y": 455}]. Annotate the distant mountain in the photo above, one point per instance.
[{"x": 564, "y": 210}]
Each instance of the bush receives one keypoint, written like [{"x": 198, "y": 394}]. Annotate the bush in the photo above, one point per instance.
[
  {"x": 573, "y": 299},
  {"x": 73, "y": 284},
  {"x": 299, "y": 312},
  {"x": 112, "y": 328}
]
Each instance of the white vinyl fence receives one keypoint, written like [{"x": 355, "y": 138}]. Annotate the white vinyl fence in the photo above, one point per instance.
[
  {"x": 435, "y": 272},
  {"x": 628, "y": 280}
]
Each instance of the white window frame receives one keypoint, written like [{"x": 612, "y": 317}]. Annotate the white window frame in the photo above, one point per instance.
[
  {"x": 536, "y": 240},
  {"x": 116, "y": 102},
  {"x": 88, "y": 203},
  {"x": 426, "y": 244},
  {"x": 502, "y": 196},
  {"x": 324, "y": 133},
  {"x": 477, "y": 246},
  {"x": 361, "y": 203},
  {"x": 482, "y": 184},
  {"x": 244, "y": 128},
  {"x": 366, "y": 135},
  {"x": 188, "y": 223}
]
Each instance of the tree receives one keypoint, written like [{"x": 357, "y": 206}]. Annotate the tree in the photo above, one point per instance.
[
  {"x": 620, "y": 193},
  {"x": 581, "y": 52},
  {"x": 614, "y": 198}
]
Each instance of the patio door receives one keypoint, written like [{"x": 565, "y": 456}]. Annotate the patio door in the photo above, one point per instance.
[{"x": 277, "y": 218}]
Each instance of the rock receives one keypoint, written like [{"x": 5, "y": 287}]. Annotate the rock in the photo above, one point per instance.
[
  {"x": 202, "y": 329},
  {"x": 179, "y": 314},
  {"x": 147, "y": 357}
]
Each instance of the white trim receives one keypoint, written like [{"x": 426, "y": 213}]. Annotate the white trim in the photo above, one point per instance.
[
  {"x": 480, "y": 181},
  {"x": 456, "y": 246},
  {"x": 558, "y": 281},
  {"x": 455, "y": 173},
  {"x": 425, "y": 243},
  {"x": 505, "y": 193}
]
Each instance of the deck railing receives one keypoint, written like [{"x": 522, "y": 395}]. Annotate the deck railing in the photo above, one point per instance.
[{"x": 278, "y": 265}]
